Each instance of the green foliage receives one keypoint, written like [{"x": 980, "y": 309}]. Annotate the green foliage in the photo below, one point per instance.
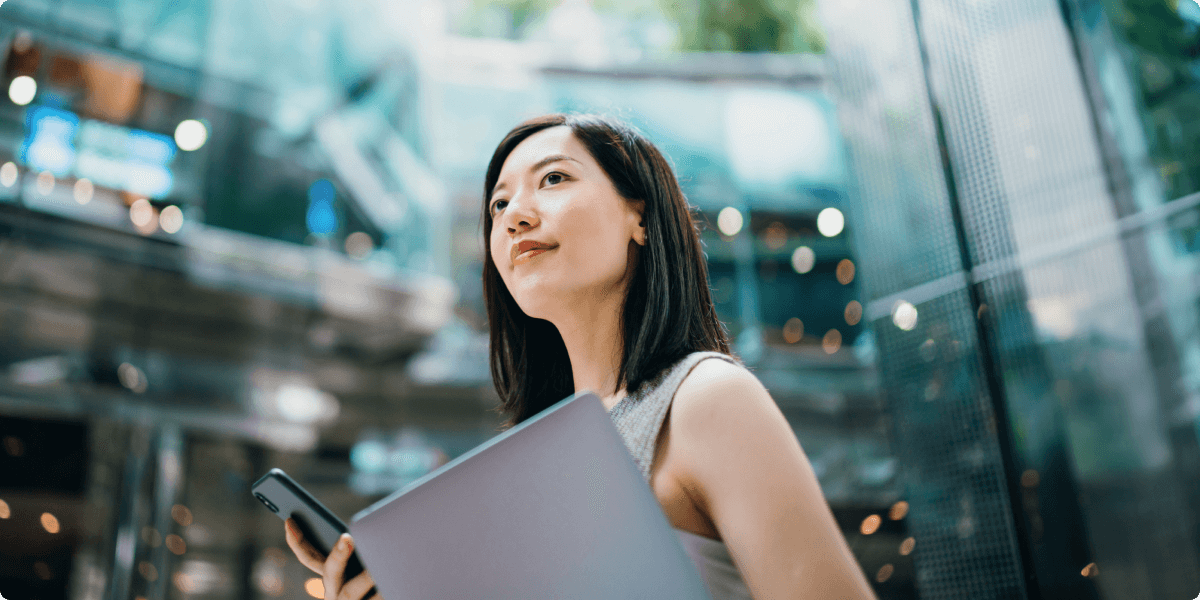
[
  {"x": 746, "y": 25},
  {"x": 1163, "y": 51},
  {"x": 703, "y": 25}
]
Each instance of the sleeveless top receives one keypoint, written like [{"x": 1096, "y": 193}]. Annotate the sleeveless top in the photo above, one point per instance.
[{"x": 639, "y": 418}]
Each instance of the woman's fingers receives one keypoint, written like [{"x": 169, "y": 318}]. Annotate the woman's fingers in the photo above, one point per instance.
[
  {"x": 356, "y": 588},
  {"x": 335, "y": 565},
  {"x": 309, "y": 557}
]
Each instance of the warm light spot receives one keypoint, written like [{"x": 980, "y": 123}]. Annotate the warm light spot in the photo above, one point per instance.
[
  {"x": 359, "y": 245},
  {"x": 151, "y": 536},
  {"x": 14, "y": 446},
  {"x": 45, "y": 183},
  {"x": 853, "y": 313},
  {"x": 42, "y": 570},
  {"x": 141, "y": 212},
  {"x": 793, "y": 330},
  {"x": 1030, "y": 478},
  {"x": 50, "y": 522},
  {"x": 181, "y": 514},
  {"x": 906, "y": 547},
  {"x": 8, "y": 174},
  {"x": 184, "y": 583},
  {"x": 845, "y": 271},
  {"x": 832, "y": 342},
  {"x": 148, "y": 571},
  {"x": 176, "y": 544},
  {"x": 22, "y": 90},
  {"x": 171, "y": 219},
  {"x": 898, "y": 511},
  {"x": 315, "y": 588},
  {"x": 775, "y": 235},
  {"x": 84, "y": 191},
  {"x": 904, "y": 315},
  {"x": 190, "y": 135},
  {"x": 870, "y": 525},
  {"x": 803, "y": 259},
  {"x": 830, "y": 222},
  {"x": 729, "y": 221},
  {"x": 270, "y": 585},
  {"x": 1090, "y": 571},
  {"x": 4, "y": 510},
  {"x": 884, "y": 573}
]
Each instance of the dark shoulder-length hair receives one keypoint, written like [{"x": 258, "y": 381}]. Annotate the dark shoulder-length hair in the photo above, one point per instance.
[{"x": 668, "y": 310}]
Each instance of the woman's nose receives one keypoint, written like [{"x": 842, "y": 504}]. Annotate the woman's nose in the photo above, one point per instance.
[{"x": 519, "y": 217}]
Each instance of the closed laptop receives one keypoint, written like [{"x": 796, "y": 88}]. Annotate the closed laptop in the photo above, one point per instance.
[{"x": 553, "y": 508}]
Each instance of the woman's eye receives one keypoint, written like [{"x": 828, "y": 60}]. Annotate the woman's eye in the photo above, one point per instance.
[
  {"x": 497, "y": 205},
  {"x": 553, "y": 178}
]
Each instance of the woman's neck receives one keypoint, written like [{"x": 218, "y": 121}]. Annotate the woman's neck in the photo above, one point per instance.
[{"x": 592, "y": 333}]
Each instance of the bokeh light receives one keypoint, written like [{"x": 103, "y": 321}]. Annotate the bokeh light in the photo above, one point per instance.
[
  {"x": 832, "y": 342},
  {"x": 148, "y": 571},
  {"x": 906, "y": 547},
  {"x": 22, "y": 90},
  {"x": 803, "y": 259},
  {"x": 171, "y": 219},
  {"x": 729, "y": 221},
  {"x": 176, "y": 544},
  {"x": 45, "y": 183},
  {"x": 1030, "y": 478},
  {"x": 321, "y": 218},
  {"x": 1090, "y": 571},
  {"x": 793, "y": 330},
  {"x": 184, "y": 582},
  {"x": 141, "y": 212},
  {"x": 885, "y": 573},
  {"x": 830, "y": 222},
  {"x": 775, "y": 235},
  {"x": 898, "y": 511},
  {"x": 853, "y": 313},
  {"x": 8, "y": 174},
  {"x": 315, "y": 588},
  {"x": 84, "y": 191},
  {"x": 359, "y": 245},
  {"x": 845, "y": 271},
  {"x": 190, "y": 135},
  {"x": 132, "y": 377},
  {"x": 5, "y": 512},
  {"x": 870, "y": 525},
  {"x": 42, "y": 570},
  {"x": 904, "y": 315},
  {"x": 181, "y": 514},
  {"x": 50, "y": 523}
]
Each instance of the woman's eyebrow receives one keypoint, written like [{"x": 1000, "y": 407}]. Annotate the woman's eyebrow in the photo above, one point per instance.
[{"x": 553, "y": 158}]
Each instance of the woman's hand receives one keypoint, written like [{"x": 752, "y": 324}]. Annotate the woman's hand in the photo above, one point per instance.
[{"x": 331, "y": 568}]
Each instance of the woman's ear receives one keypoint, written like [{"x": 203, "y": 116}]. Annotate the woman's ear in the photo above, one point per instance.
[{"x": 639, "y": 234}]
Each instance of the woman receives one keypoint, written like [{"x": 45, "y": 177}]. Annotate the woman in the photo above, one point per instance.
[{"x": 595, "y": 280}]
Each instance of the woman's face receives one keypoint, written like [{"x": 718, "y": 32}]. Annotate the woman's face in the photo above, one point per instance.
[{"x": 561, "y": 233}]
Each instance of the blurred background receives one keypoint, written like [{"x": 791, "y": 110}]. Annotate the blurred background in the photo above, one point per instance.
[{"x": 956, "y": 240}]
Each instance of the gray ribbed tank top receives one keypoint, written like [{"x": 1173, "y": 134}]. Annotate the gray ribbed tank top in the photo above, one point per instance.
[{"x": 639, "y": 418}]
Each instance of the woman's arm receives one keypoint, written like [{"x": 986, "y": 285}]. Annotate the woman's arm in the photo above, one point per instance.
[{"x": 741, "y": 463}]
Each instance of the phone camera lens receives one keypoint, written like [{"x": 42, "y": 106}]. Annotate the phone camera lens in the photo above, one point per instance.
[{"x": 268, "y": 503}]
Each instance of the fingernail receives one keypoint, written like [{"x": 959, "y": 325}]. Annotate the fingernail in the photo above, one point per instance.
[{"x": 345, "y": 542}]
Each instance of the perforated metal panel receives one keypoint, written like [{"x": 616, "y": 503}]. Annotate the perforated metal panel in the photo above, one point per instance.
[{"x": 934, "y": 378}]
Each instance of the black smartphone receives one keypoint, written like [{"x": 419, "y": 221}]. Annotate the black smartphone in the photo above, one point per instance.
[{"x": 284, "y": 497}]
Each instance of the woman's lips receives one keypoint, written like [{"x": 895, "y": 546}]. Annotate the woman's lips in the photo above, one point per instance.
[{"x": 528, "y": 255}]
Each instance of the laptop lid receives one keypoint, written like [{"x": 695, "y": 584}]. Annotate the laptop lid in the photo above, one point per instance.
[{"x": 553, "y": 508}]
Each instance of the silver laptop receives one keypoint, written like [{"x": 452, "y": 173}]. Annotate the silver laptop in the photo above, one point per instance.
[{"x": 553, "y": 508}]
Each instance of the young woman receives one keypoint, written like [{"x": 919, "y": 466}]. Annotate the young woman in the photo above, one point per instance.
[{"x": 595, "y": 280}]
